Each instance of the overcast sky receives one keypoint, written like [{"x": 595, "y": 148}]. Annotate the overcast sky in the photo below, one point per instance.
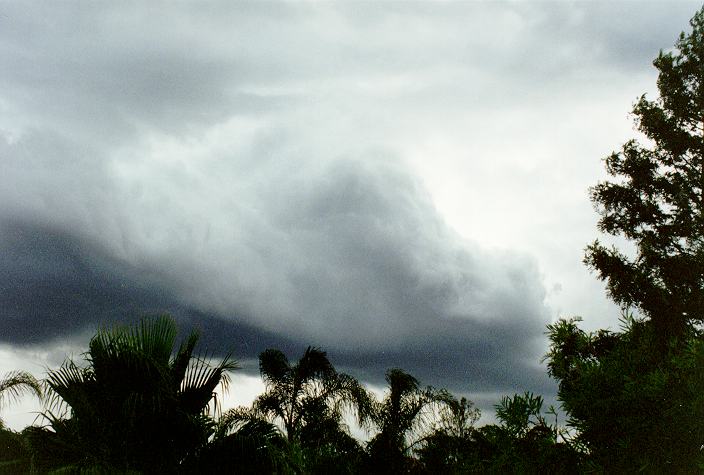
[{"x": 401, "y": 184}]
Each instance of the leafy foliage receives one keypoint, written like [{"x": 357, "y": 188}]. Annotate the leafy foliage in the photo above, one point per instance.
[
  {"x": 521, "y": 414},
  {"x": 631, "y": 406},
  {"x": 634, "y": 397},
  {"x": 451, "y": 446},
  {"x": 244, "y": 443},
  {"x": 15, "y": 454},
  {"x": 525, "y": 442}
]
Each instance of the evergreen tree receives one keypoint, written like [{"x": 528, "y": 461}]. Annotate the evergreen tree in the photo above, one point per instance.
[
  {"x": 634, "y": 397},
  {"x": 656, "y": 197}
]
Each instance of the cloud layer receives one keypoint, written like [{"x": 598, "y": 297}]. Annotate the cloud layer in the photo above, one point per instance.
[
  {"x": 348, "y": 254},
  {"x": 275, "y": 173}
]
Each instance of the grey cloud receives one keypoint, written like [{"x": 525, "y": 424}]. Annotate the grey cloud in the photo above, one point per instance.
[
  {"x": 240, "y": 167},
  {"x": 54, "y": 286},
  {"x": 114, "y": 71},
  {"x": 347, "y": 254}
]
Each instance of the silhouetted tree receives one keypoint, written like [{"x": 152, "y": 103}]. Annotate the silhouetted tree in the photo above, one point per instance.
[
  {"x": 136, "y": 405},
  {"x": 300, "y": 393},
  {"x": 17, "y": 383},
  {"x": 656, "y": 197},
  {"x": 15, "y": 454},
  {"x": 523, "y": 441},
  {"x": 308, "y": 400},
  {"x": 403, "y": 417},
  {"x": 451, "y": 448},
  {"x": 244, "y": 443}
]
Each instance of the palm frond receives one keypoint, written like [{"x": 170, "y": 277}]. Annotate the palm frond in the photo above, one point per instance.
[
  {"x": 273, "y": 404},
  {"x": 155, "y": 337},
  {"x": 313, "y": 364},
  {"x": 274, "y": 366},
  {"x": 200, "y": 381},
  {"x": 245, "y": 420},
  {"x": 182, "y": 358},
  {"x": 344, "y": 392},
  {"x": 15, "y": 384},
  {"x": 67, "y": 385}
]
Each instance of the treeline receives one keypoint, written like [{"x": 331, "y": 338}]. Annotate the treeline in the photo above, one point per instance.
[
  {"x": 634, "y": 398},
  {"x": 139, "y": 404}
]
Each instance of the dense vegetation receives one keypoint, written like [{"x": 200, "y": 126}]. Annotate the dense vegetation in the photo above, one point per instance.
[
  {"x": 138, "y": 404},
  {"x": 634, "y": 398}
]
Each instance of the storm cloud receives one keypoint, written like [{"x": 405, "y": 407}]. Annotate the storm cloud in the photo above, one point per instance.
[
  {"x": 350, "y": 255},
  {"x": 385, "y": 181}
]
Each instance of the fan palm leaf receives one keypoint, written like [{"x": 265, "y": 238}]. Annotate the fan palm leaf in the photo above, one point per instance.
[{"x": 137, "y": 402}]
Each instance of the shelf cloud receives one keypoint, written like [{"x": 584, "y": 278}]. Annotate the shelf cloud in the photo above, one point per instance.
[{"x": 272, "y": 174}]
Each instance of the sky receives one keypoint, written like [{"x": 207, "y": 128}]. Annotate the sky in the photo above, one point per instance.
[{"x": 403, "y": 184}]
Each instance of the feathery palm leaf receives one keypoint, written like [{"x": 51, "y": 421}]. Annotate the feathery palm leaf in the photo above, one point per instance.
[
  {"x": 404, "y": 415},
  {"x": 307, "y": 392},
  {"x": 17, "y": 383}
]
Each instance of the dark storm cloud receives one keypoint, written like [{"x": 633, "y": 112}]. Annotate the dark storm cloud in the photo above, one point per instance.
[{"x": 54, "y": 284}]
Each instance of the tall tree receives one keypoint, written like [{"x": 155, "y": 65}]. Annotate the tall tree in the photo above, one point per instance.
[
  {"x": 138, "y": 404},
  {"x": 656, "y": 196},
  {"x": 635, "y": 396},
  {"x": 452, "y": 446}
]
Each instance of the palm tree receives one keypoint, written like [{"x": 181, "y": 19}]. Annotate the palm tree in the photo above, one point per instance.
[
  {"x": 310, "y": 391},
  {"x": 306, "y": 400},
  {"x": 404, "y": 415},
  {"x": 452, "y": 447},
  {"x": 137, "y": 404}
]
